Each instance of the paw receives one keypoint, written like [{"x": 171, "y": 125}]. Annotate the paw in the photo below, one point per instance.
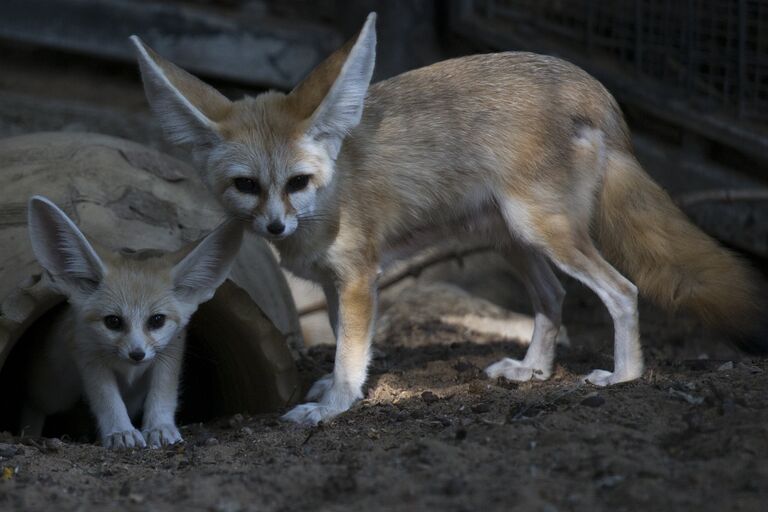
[
  {"x": 320, "y": 388},
  {"x": 604, "y": 378},
  {"x": 126, "y": 439},
  {"x": 311, "y": 414},
  {"x": 513, "y": 369},
  {"x": 162, "y": 435}
]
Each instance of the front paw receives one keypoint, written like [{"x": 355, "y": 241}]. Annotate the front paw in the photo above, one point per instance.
[
  {"x": 311, "y": 414},
  {"x": 122, "y": 440},
  {"x": 162, "y": 435},
  {"x": 320, "y": 388}
]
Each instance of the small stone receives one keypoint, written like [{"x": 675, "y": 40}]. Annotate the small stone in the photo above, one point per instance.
[
  {"x": 236, "y": 420},
  {"x": 750, "y": 368},
  {"x": 246, "y": 431},
  {"x": 609, "y": 481},
  {"x": 481, "y": 408},
  {"x": 136, "y": 498},
  {"x": 463, "y": 366},
  {"x": 429, "y": 397},
  {"x": 54, "y": 445},
  {"x": 8, "y": 450},
  {"x": 593, "y": 400},
  {"x": 725, "y": 366},
  {"x": 211, "y": 441}
]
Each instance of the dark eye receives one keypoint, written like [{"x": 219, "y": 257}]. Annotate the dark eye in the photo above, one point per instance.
[
  {"x": 297, "y": 183},
  {"x": 156, "y": 322},
  {"x": 113, "y": 322},
  {"x": 247, "y": 186}
]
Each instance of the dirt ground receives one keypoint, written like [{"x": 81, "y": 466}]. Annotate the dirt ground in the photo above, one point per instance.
[{"x": 434, "y": 433}]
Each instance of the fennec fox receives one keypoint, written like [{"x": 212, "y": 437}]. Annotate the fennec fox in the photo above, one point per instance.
[
  {"x": 120, "y": 340},
  {"x": 336, "y": 171}
]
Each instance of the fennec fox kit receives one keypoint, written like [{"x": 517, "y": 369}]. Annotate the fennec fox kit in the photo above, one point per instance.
[
  {"x": 337, "y": 171},
  {"x": 119, "y": 342}
]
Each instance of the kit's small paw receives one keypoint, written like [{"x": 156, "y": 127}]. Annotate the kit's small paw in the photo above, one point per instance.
[
  {"x": 162, "y": 435},
  {"x": 123, "y": 440}
]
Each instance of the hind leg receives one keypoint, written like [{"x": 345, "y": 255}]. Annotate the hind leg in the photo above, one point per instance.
[
  {"x": 570, "y": 248},
  {"x": 581, "y": 260},
  {"x": 547, "y": 295},
  {"x": 620, "y": 297}
]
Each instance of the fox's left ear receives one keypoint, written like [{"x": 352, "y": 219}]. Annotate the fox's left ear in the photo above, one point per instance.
[
  {"x": 189, "y": 110},
  {"x": 332, "y": 96},
  {"x": 199, "y": 273}
]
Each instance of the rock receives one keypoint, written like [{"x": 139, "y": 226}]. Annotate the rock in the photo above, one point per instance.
[
  {"x": 429, "y": 397},
  {"x": 8, "y": 450},
  {"x": 725, "y": 366},
  {"x": 593, "y": 400},
  {"x": 54, "y": 445},
  {"x": 481, "y": 408},
  {"x": 686, "y": 397},
  {"x": 235, "y": 420}
]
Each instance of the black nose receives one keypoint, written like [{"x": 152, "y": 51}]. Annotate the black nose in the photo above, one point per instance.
[
  {"x": 137, "y": 355},
  {"x": 276, "y": 227}
]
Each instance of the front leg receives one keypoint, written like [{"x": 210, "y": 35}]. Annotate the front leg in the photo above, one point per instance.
[
  {"x": 337, "y": 392},
  {"x": 115, "y": 428},
  {"x": 159, "y": 425}
]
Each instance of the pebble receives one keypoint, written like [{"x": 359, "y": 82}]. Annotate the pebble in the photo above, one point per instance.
[
  {"x": 429, "y": 397},
  {"x": 593, "y": 400},
  {"x": 246, "y": 430},
  {"x": 8, "y": 450},
  {"x": 54, "y": 444},
  {"x": 463, "y": 366},
  {"x": 481, "y": 408},
  {"x": 236, "y": 420},
  {"x": 725, "y": 366},
  {"x": 211, "y": 441}
]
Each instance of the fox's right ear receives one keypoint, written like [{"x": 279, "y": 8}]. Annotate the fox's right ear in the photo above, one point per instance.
[
  {"x": 189, "y": 110},
  {"x": 61, "y": 248},
  {"x": 332, "y": 97}
]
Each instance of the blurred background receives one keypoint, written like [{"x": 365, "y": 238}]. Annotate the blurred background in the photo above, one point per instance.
[{"x": 690, "y": 75}]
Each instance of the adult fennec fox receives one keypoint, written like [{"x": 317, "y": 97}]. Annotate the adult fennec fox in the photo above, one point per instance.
[{"x": 337, "y": 170}]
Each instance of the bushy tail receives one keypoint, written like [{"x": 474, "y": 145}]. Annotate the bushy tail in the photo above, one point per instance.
[{"x": 642, "y": 232}]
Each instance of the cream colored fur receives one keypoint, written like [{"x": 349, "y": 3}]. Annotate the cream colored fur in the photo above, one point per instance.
[
  {"x": 135, "y": 364},
  {"x": 531, "y": 142}
]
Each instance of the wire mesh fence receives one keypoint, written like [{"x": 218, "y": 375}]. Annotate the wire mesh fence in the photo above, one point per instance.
[{"x": 710, "y": 54}]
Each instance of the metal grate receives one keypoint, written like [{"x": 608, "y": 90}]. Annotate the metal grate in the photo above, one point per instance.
[{"x": 709, "y": 54}]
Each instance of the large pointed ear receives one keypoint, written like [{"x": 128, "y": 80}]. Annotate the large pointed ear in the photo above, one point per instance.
[
  {"x": 62, "y": 249},
  {"x": 332, "y": 96},
  {"x": 188, "y": 109},
  {"x": 196, "y": 277}
]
